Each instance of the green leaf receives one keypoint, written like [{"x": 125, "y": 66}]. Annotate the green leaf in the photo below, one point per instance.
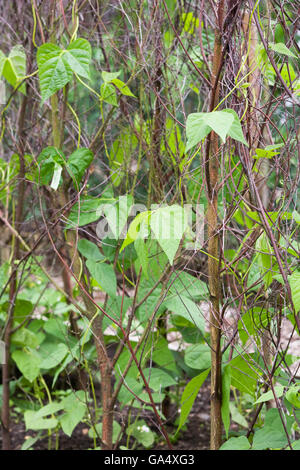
[
  {"x": 244, "y": 375},
  {"x": 223, "y": 123},
  {"x": 158, "y": 379},
  {"x": 78, "y": 163},
  {"x": 124, "y": 89},
  {"x": 109, "y": 76},
  {"x": 87, "y": 211},
  {"x": 225, "y": 409},
  {"x": 294, "y": 281},
  {"x": 117, "y": 214},
  {"x": 30, "y": 441},
  {"x": 54, "y": 71},
  {"x": 293, "y": 395},
  {"x": 281, "y": 48},
  {"x": 105, "y": 276},
  {"x": 186, "y": 308},
  {"x": 52, "y": 354},
  {"x": 56, "y": 66},
  {"x": 236, "y": 416},
  {"x": 48, "y": 161},
  {"x": 168, "y": 225},
  {"x": 14, "y": 66},
  {"x": 235, "y": 131},
  {"x": 141, "y": 249},
  {"x": 2, "y": 62},
  {"x": 108, "y": 94},
  {"x": 272, "y": 435},
  {"x": 189, "y": 395},
  {"x": 198, "y": 356},
  {"x": 163, "y": 356},
  {"x": 236, "y": 443},
  {"x": 25, "y": 337},
  {"x": 182, "y": 283},
  {"x": 135, "y": 227},
  {"x": 279, "y": 389},
  {"x": 32, "y": 422},
  {"x": 28, "y": 363},
  {"x": 89, "y": 250},
  {"x": 296, "y": 445},
  {"x": 125, "y": 394},
  {"x": 49, "y": 409},
  {"x": 78, "y": 56},
  {"x": 75, "y": 407}
]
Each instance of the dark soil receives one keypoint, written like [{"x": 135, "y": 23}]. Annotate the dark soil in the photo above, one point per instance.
[{"x": 194, "y": 436}]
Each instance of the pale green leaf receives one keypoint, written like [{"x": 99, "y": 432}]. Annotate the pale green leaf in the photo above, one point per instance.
[
  {"x": 109, "y": 76},
  {"x": 281, "y": 48},
  {"x": 14, "y": 67},
  {"x": 78, "y": 56},
  {"x": 168, "y": 225}
]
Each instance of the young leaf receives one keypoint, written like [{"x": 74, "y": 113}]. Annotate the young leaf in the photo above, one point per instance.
[
  {"x": 108, "y": 94},
  {"x": 293, "y": 395},
  {"x": 168, "y": 225},
  {"x": 50, "y": 160},
  {"x": 56, "y": 176},
  {"x": 14, "y": 66},
  {"x": 124, "y": 89},
  {"x": 223, "y": 123},
  {"x": 109, "y": 76},
  {"x": 142, "y": 433}
]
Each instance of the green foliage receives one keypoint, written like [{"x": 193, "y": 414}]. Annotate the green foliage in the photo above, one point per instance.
[
  {"x": 224, "y": 123},
  {"x": 13, "y": 67},
  {"x": 56, "y": 66}
]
